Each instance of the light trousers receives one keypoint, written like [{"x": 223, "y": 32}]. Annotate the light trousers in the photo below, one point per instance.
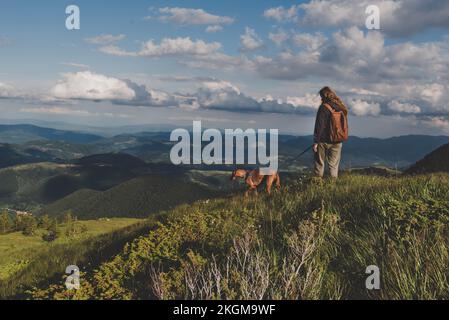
[{"x": 330, "y": 153}]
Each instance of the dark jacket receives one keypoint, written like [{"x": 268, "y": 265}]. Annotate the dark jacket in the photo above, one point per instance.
[{"x": 323, "y": 123}]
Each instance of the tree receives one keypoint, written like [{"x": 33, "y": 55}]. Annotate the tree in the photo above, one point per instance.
[
  {"x": 29, "y": 225},
  {"x": 68, "y": 217},
  {"x": 5, "y": 223},
  {"x": 45, "y": 222},
  {"x": 53, "y": 232}
]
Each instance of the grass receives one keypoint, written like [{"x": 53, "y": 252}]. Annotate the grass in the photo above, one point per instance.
[
  {"x": 310, "y": 241},
  {"x": 27, "y": 260}
]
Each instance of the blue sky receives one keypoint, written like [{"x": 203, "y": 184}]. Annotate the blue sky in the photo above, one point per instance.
[{"x": 230, "y": 63}]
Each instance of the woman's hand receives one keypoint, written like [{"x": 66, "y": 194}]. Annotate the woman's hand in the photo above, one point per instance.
[{"x": 315, "y": 147}]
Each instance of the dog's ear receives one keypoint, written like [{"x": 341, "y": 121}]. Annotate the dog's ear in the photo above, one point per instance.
[{"x": 232, "y": 175}]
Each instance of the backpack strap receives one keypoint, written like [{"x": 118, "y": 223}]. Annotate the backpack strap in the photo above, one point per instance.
[{"x": 328, "y": 107}]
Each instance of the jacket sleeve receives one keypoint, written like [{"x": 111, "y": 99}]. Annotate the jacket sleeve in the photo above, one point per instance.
[{"x": 320, "y": 124}]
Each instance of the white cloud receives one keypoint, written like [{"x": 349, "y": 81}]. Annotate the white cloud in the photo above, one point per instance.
[
  {"x": 398, "y": 106},
  {"x": 250, "y": 41},
  {"x": 87, "y": 85},
  {"x": 214, "y": 28},
  {"x": 280, "y": 37},
  {"x": 7, "y": 91},
  {"x": 75, "y": 65},
  {"x": 92, "y": 86},
  {"x": 364, "y": 108},
  {"x": 167, "y": 47},
  {"x": 438, "y": 122},
  {"x": 310, "y": 42},
  {"x": 281, "y": 14},
  {"x": 433, "y": 93},
  {"x": 187, "y": 16},
  {"x": 178, "y": 46},
  {"x": 105, "y": 39},
  {"x": 312, "y": 101},
  {"x": 398, "y": 18}
]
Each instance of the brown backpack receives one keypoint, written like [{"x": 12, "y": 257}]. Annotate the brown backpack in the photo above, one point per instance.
[{"x": 339, "y": 125}]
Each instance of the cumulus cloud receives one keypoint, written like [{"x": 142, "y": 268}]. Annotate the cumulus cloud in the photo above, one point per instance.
[
  {"x": 279, "y": 37},
  {"x": 250, "y": 41},
  {"x": 355, "y": 56},
  {"x": 441, "y": 123},
  {"x": 310, "y": 42},
  {"x": 87, "y": 85},
  {"x": 281, "y": 14},
  {"x": 398, "y": 106},
  {"x": 178, "y": 46},
  {"x": 398, "y": 18},
  {"x": 187, "y": 16},
  {"x": 92, "y": 86},
  {"x": 105, "y": 39},
  {"x": 312, "y": 101},
  {"x": 167, "y": 47},
  {"x": 363, "y": 108}
]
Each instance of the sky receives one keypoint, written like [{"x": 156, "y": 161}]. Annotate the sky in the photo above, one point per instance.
[{"x": 245, "y": 64}]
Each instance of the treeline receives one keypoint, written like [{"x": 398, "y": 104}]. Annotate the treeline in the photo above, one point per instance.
[{"x": 29, "y": 225}]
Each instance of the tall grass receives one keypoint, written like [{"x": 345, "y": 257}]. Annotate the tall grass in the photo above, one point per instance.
[{"x": 309, "y": 241}]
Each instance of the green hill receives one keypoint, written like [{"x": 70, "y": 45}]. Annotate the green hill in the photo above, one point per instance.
[
  {"x": 310, "y": 241},
  {"x": 436, "y": 161},
  {"x": 27, "y": 261},
  {"x": 137, "y": 197}
]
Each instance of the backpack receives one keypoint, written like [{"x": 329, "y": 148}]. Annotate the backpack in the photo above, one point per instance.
[{"x": 338, "y": 125}]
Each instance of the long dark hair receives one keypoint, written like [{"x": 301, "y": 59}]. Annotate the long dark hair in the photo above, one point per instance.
[{"x": 329, "y": 96}]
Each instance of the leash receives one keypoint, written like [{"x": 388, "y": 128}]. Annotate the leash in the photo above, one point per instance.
[{"x": 302, "y": 153}]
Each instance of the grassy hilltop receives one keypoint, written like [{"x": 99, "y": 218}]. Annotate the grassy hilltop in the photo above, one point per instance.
[{"x": 309, "y": 241}]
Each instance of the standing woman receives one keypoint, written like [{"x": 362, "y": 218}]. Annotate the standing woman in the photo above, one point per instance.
[{"x": 331, "y": 130}]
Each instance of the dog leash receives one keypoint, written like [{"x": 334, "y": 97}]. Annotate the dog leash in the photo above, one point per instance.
[{"x": 302, "y": 153}]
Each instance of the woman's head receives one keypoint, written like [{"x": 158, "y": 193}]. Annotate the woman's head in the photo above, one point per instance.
[{"x": 329, "y": 95}]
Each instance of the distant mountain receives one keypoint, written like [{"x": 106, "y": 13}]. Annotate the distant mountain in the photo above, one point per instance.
[
  {"x": 393, "y": 152},
  {"x": 436, "y": 161},
  {"x": 138, "y": 197},
  {"x": 22, "y": 133},
  {"x": 111, "y": 159}
]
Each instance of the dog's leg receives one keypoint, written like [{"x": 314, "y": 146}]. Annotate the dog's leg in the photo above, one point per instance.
[
  {"x": 278, "y": 181},
  {"x": 269, "y": 183}
]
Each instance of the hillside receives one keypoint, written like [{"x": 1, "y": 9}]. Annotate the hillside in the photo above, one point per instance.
[
  {"x": 138, "y": 197},
  {"x": 436, "y": 161},
  {"x": 26, "y": 261},
  {"x": 22, "y": 133},
  {"x": 310, "y": 241}
]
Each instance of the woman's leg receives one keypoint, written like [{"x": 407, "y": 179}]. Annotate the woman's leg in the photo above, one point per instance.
[
  {"x": 333, "y": 158},
  {"x": 320, "y": 156}
]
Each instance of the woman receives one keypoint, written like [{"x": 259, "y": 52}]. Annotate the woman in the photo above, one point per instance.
[{"x": 330, "y": 131}]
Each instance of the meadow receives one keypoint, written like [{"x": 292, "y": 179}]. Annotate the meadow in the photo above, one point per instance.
[
  {"x": 309, "y": 241},
  {"x": 26, "y": 260}
]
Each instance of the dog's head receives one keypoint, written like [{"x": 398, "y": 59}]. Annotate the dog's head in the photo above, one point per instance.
[{"x": 239, "y": 173}]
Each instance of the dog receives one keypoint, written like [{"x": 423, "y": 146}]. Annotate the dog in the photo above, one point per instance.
[{"x": 253, "y": 178}]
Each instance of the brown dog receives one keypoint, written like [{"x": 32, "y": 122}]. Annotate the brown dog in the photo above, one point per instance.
[{"x": 254, "y": 178}]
